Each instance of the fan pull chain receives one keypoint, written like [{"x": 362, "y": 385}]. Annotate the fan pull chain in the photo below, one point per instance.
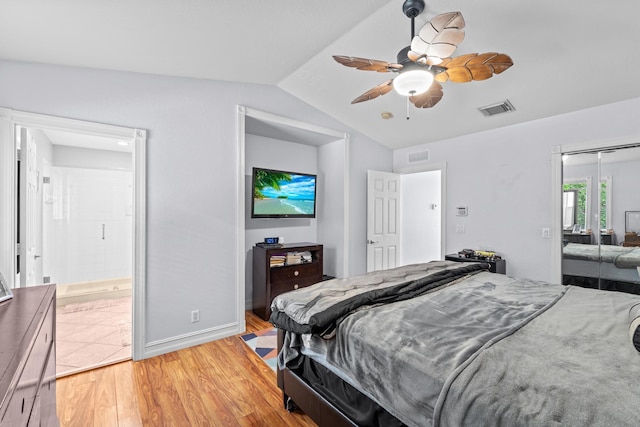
[{"x": 408, "y": 108}]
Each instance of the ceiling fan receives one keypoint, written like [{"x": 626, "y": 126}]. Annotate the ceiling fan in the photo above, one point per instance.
[{"x": 427, "y": 62}]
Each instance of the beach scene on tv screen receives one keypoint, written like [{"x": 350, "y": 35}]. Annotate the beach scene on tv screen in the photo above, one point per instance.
[{"x": 280, "y": 193}]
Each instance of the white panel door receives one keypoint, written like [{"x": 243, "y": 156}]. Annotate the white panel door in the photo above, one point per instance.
[
  {"x": 383, "y": 220},
  {"x": 30, "y": 213},
  {"x": 8, "y": 210}
]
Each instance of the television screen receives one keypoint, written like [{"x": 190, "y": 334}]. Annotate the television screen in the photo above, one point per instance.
[{"x": 281, "y": 194}]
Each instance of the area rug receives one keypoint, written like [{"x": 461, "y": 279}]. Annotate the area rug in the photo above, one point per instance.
[{"x": 265, "y": 344}]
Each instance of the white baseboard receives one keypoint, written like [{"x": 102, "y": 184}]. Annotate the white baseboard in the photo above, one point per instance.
[{"x": 167, "y": 345}]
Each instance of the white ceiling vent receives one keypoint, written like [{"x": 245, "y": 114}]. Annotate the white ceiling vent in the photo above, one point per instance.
[
  {"x": 418, "y": 156},
  {"x": 502, "y": 107}
]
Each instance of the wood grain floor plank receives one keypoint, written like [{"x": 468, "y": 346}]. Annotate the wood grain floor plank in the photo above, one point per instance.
[
  {"x": 185, "y": 379},
  {"x": 126, "y": 398},
  {"x": 106, "y": 408},
  {"x": 149, "y": 407},
  {"x": 221, "y": 383}
]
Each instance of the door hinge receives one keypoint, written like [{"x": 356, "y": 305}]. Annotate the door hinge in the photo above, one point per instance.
[
  {"x": 18, "y": 248},
  {"x": 19, "y": 154}
]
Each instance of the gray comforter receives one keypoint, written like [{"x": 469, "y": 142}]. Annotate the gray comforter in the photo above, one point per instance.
[
  {"x": 488, "y": 350},
  {"x": 571, "y": 366}
]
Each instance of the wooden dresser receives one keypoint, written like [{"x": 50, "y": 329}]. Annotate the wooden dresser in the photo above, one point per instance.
[
  {"x": 270, "y": 281},
  {"x": 28, "y": 358}
]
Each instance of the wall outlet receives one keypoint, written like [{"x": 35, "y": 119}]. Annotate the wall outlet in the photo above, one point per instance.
[
  {"x": 546, "y": 233},
  {"x": 460, "y": 229},
  {"x": 195, "y": 316}
]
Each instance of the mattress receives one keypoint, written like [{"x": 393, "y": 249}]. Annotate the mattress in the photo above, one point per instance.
[{"x": 419, "y": 358}]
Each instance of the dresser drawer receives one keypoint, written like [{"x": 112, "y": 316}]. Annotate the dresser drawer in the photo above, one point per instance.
[
  {"x": 47, "y": 393},
  {"x": 282, "y": 287},
  {"x": 21, "y": 403},
  {"x": 294, "y": 272}
]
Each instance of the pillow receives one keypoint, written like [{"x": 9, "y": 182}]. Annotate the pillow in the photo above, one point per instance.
[{"x": 634, "y": 325}]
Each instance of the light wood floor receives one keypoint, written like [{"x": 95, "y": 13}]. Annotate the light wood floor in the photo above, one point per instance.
[{"x": 222, "y": 383}]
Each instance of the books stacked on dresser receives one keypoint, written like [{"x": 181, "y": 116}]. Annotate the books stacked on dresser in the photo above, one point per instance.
[
  {"x": 290, "y": 258},
  {"x": 277, "y": 260},
  {"x": 299, "y": 257},
  {"x": 294, "y": 258}
]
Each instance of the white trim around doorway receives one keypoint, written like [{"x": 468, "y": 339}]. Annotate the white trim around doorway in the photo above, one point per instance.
[{"x": 9, "y": 119}]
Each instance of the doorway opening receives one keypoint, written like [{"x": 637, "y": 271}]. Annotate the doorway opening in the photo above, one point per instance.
[
  {"x": 77, "y": 190},
  {"x": 75, "y": 216},
  {"x": 405, "y": 216}
]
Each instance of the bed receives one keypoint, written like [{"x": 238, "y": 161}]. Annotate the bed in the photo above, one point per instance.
[
  {"x": 613, "y": 263},
  {"x": 451, "y": 344}
]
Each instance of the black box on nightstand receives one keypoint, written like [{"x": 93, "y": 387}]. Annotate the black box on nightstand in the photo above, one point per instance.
[{"x": 497, "y": 265}]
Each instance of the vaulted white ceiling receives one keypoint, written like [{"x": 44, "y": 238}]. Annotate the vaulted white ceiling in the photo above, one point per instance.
[{"x": 568, "y": 55}]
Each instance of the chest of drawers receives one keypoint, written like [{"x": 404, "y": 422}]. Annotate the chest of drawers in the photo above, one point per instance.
[
  {"x": 27, "y": 358},
  {"x": 270, "y": 281}
]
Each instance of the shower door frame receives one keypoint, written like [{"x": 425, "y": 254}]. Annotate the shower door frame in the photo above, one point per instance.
[{"x": 9, "y": 119}]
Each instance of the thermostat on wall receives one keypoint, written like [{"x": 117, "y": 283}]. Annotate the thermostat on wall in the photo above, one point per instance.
[{"x": 462, "y": 211}]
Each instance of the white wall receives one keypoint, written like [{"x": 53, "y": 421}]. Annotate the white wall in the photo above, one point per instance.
[
  {"x": 363, "y": 156},
  {"x": 331, "y": 204},
  {"x": 504, "y": 177},
  {"x": 420, "y": 217},
  {"x": 192, "y": 166}
]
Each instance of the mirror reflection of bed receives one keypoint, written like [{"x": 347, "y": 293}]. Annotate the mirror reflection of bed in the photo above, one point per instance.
[{"x": 602, "y": 267}]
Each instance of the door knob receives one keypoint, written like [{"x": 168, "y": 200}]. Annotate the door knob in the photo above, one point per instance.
[
  {"x": 371, "y": 242},
  {"x": 36, "y": 256}
]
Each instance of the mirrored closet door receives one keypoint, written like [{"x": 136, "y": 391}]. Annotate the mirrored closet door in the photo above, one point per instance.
[{"x": 600, "y": 203}]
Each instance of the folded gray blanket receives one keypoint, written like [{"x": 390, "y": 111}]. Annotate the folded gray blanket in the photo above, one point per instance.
[
  {"x": 317, "y": 309},
  {"x": 634, "y": 326}
]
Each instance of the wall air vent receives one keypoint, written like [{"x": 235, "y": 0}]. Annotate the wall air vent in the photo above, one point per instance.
[
  {"x": 502, "y": 107},
  {"x": 418, "y": 156}
]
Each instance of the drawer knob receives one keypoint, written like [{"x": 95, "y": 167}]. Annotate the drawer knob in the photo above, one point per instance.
[
  {"x": 296, "y": 273},
  {"x": 296, "y": 286}
]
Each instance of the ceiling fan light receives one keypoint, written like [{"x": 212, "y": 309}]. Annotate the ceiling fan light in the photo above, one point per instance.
[{"x": 413, "y": 82}]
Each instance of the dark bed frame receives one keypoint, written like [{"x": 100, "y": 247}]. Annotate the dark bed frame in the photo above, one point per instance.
[{"x": 296, "y": 393}]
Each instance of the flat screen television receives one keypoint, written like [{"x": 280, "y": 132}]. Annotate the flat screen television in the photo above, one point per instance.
[{"x": 282, "y": 194}]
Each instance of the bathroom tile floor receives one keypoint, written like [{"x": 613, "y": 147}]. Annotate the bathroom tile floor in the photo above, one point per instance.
[{"x": 92, "y": 334}]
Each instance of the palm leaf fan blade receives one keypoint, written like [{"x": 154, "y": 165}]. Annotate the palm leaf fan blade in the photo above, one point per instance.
[
  {"x": 474, "y": 66},
  {"x": 440, "y": 36},
  {"x": 377, "y": 91},
  {"x": 429, "y": 98},
  {"x": 448, "y": 20},
  {"x": 366, "y": 64},
  {"x": 445, "y": 43},
  {"x": 501, "y": 62}
]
